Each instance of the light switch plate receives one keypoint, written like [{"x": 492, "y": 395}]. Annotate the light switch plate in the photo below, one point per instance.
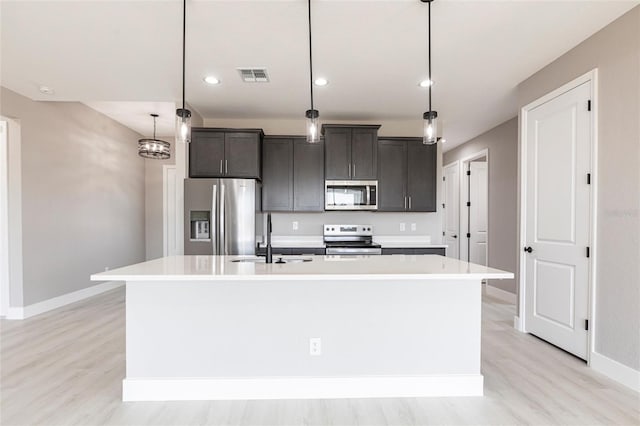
[
  {"x": 295, "y": 225},
  {"x": 403, "y": 227}
]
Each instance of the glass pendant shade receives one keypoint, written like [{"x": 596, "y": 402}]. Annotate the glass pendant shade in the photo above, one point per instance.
[
  {"x": 430, "y": 136},
  {"x": 183, "y": 125},
  {"x": 313, "y": 132},
  {"x": 154, "y": 149}
]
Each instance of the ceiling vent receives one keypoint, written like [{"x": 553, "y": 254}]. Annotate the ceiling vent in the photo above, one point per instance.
[{"x": 254, "y": 75}]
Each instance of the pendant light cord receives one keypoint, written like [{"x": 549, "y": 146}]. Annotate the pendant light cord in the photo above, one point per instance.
[
  {"x": 429, "y": 37},
  {"x": 184, "y": 37},
  {"x": 310, "y": 56},
  {"x": 154, "y": 127}
]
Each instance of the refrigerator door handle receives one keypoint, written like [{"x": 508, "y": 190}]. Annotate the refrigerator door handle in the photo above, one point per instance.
[
  {"x": 223, "y": 243},
  {"x": 214, "y": 222}
]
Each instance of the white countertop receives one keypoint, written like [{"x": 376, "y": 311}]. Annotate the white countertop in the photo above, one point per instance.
[
  {"x": 406, "y": 241},
  {"x": 295, "y": 242},
  {"x": 221, "y": 268},
  {"x": 386, "y": 241}
]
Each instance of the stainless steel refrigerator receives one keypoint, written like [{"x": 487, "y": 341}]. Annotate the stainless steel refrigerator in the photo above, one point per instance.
[{"x": 220, "y": 216}]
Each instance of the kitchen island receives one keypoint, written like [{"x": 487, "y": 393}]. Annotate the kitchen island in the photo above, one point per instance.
[{"x": 210, "y": 327}]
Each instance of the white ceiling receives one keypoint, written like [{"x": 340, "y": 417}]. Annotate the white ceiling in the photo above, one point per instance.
[{"x": 124, "y": 57}]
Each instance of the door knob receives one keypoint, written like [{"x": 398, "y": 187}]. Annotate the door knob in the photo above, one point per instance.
[
  {"x": 528, "y": 249},
  {"x": 454, "y": 236}
]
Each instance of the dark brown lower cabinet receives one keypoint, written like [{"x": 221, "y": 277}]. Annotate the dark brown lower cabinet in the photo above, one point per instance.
[
  {"x": 262, "y": 251},
  {"x": 432, "y": 250}
]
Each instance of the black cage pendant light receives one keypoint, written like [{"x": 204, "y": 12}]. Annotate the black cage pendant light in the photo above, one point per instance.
[
  {"x": 430, "y": 117},
  {"x": 313, "y": 134},
  {"x": 155, "y": 149},
  {"x": 183, "y": 115}
]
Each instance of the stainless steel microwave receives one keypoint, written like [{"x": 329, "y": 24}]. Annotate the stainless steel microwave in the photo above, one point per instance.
[{"x": 351, "y": 195}]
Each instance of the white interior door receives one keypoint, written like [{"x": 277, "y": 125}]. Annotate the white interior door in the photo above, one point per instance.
[
  {"x": 451, "y": 209},
  {"x": 478, "y": 222},
  {"x": 557, "y": 222}
]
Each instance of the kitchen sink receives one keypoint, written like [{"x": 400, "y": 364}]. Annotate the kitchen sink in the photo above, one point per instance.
[{"x": 276, "y": 259}]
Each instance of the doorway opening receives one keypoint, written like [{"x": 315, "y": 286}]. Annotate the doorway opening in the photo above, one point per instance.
[
  {"x": 451, "y": 207},
  {"x": 474, "y": 208}
]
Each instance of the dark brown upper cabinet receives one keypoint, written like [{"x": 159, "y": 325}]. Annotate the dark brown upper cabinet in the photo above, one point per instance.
[
  {"x": 225, "y": 153},
  {"x": 351, "y": 151},
  {"x": 277, "y": 174},
  {"x": 406, "y": 175},
  {"x": 293, "y": 175}
]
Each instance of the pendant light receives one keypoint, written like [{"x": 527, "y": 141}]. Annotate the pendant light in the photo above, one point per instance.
[
  {"x": 430, "y": 117},
  {"x": 183, "y": 115},
  {"x": 154, "y": 149},
  {"x": 313, "y": 135}
]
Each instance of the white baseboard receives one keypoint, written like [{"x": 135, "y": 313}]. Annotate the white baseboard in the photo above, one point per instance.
[
  {"x": 57, "y": 302},
  {"x": 517, "y": 323},
  {"x": 615, "y": 370},
  {"x": 177, "y": 389},
  {"x": 498, "y": 293}
]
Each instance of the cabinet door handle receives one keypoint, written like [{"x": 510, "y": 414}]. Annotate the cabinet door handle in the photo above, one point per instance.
[
  {"x": 220, "y": 166},
  {"x": 226, "y": 169},
  {"x": 405, "y": 203},
  {"x": 349, "y": 169},
  {"x": 409, "y": 202},
  {"x": 354, "y": 169}
]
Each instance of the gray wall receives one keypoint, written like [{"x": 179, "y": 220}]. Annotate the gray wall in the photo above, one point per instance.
[
  {"x": 615, "y": 51},
  {"x": 502, "y": 143},
  {"x": 82, "y": 195}
]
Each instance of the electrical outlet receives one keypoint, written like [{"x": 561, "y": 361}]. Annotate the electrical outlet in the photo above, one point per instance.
[
  {"x": 403, "y": 227},
  {"x": 315, "y": 346},
  {"x": 413, "y": 227},
  {"x": 295, "y": 225}
]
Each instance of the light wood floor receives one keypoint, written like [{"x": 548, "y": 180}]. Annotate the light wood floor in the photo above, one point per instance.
[{"x": 66, "y": 367}]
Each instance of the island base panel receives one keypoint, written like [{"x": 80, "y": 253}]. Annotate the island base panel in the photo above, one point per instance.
[{"x": 191, "y": 340}]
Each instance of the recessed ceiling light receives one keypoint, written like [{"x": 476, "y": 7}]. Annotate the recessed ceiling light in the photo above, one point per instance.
[
  {"x": 46, "y": 90},
  {"x": 426, "y": 83},
  {"x": 211, "y": 80},
  {"x": 321, "y": 82}
]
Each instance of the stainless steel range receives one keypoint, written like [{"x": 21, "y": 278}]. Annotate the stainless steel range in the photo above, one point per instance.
[{"x": 350, "y": 239}]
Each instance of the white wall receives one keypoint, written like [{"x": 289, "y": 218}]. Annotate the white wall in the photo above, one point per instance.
[
  {"x": 154, "y": 192},
  {"x": 615, "y": 51},
  {"x": 82, "y": 195}
]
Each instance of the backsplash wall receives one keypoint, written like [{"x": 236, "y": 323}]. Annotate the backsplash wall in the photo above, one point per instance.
[{"x": 310, "y": 224}]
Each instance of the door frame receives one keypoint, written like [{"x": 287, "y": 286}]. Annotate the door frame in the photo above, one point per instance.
[
  {"x": 5, "y": 287},
  {"x": 170, "y": 172},
  {"x": 520, "y": 321},
  {"x": 455, "y": 164},
  {"x": 464, "y": 197}
]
